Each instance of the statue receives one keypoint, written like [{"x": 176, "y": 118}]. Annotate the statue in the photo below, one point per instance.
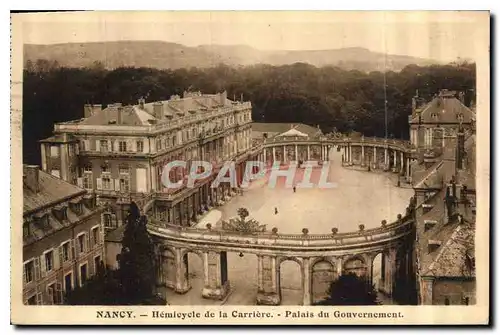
[{"x": 243, "y": 223}]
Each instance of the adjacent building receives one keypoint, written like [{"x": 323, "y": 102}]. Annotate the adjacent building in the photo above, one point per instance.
[
  {"x": 444, "y": 171},
  {"x": 63, "y": 242}
]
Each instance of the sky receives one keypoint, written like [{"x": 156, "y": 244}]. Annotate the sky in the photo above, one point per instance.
[{"x": 442, "y": 36}]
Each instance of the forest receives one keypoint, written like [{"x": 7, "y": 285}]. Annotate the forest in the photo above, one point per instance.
[{"x": 328, "y": 96}]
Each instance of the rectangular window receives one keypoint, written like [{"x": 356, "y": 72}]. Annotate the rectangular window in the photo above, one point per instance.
[
  {"x": 68, "y": 282},
  {"x": 104, "y": 145},
  {"x": 52, "y": 293},
  {"x": 95, "y": 235},
  {"x": 54, "y": 151},
  {"x": 87, "y": 181},
  {"x": 83, "y": 274},
  {"x": 29, "y": 272},
  {"x": 108, "y": 222},
  {"x": 65, "y": 252},
  {"x": 81, "y": 243},
  {"x": 122, "y": 146},
  {"x": 124, "y": 184},
  {"x": 87, "y": 169},
  {"x": 49, "y": 261},
  {"x": 140, "y": 146},
  {"x": 106, "y": 182}
]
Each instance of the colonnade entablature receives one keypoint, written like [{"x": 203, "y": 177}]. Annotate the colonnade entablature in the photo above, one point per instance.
[
  {"x": 370, "y": 153},
  {"x": 321, "y": 257}
]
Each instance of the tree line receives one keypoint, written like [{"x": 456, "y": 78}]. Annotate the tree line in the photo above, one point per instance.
[{"x": 330, "y": 97}]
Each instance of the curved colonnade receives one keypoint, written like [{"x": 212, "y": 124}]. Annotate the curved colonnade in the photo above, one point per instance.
[{"x": 321, "y": 257}]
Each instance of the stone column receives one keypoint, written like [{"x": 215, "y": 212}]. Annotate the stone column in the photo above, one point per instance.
[
  {"x": 390, "y": 271},
  {"x": 215, "y": 283},
  {"x": 402, "y": 163},
  {"x": 369, "y": 268},
  {"x": 308, "y": 152},
  {"x": 350, "y": 154},
  {"x": 407, "y": 169},
  {"x": 265, "y": 155},
  {"x": 296, "y": 153},
  {"x": 375, "y": 156},
  {"x": 274, "y": 154},
  {"x": 306, "y": 281},
  {"x": 362, "y": 155},
  {"x": 386, "y": 157},
  {"x": 284, "y": 154},
  {"x": 181, "y": 273},
  {"x": 394, "y": 168},
  {"x": 327, "y": 153},
  {"x": 269, "y": 289}
]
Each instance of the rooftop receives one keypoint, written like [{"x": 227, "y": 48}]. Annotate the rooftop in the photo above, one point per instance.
[
  {"x": 444, "y": 108},
  {"x": 41, "y": 189}
]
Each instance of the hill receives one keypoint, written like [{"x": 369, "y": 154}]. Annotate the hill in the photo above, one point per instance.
[{"x": 166, "y": 55}]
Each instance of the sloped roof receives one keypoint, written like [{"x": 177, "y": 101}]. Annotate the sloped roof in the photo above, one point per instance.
[
  {"x": 131, "y": 116},
  {"x": 451, "y": 261},
  {"x": 292, "y": 132},
  {"x": 51, "y": 190},
  {"x": 444, "y": 109},
  {"x": 278, "y": 128}
]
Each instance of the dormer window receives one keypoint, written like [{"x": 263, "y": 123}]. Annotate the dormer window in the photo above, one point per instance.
[
  {"x": 460, "y": 117},
  {"x": 60, "y": 212},
  {"x": 26, "y": 229},
  {"x": 434, "y": 116},
  {"x": 76, "y": 207}
]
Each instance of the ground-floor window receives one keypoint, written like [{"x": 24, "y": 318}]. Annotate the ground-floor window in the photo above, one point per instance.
[
  {"x": 68, "y": 282},
  {"x": 31, "y": 300},
  {"x": 83, "y": 274}
]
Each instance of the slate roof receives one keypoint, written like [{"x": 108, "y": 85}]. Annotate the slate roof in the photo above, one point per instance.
[
  {"x": 292, "y": 132},
  {"x": 131, "y": 116},
  {"x": 51, "y": 191},
  {"x": 273, "y": 129},
  {"x": 444, "y": 109}
]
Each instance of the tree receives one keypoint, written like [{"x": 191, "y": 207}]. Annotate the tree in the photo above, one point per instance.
[
  {"x": 137, "y": 260},
  {"x": 350, "y": 290}
]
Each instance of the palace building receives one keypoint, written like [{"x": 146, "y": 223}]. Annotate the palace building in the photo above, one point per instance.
[
  {"x": 443, "y": 173},
  {"x": 63, "y": 240},
  {"x": 119, "y": 153}
]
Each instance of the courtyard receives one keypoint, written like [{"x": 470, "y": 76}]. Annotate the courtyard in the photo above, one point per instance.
[{"x": 359, "y": 197}]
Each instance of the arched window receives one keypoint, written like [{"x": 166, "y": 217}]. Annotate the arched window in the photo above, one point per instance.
[{"x": 446, "y": 301}]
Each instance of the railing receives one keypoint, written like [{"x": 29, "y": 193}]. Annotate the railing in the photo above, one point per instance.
[
  {"x": 395, "y": 230},
  {"x": 171, "y": 125},
  {"x": 404, "y": 145}
]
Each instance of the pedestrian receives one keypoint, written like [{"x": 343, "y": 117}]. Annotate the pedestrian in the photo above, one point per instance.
[
  {"x": 294, "y": 188},
  {"x": 275, "y": 210}
]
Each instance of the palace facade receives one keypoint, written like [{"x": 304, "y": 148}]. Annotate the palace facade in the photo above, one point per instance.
[
  {"x": 63, "y": 240},
  {"x": 119, "y": 153}
]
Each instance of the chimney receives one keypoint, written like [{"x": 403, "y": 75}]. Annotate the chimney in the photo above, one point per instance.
[
  {"x": 30, "y": 175},
  {"x": 461, "y": 97},
  {"x": 222, "y": 97},
  {"x": 87, "y": 110},
  {"x": 158, "y": 110},
  {"x": 142, "y": 101},
  {"x": 119, "y": 112},
  {"x": 460, "y": 148},
  {"x": 96, "y": 108}
]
